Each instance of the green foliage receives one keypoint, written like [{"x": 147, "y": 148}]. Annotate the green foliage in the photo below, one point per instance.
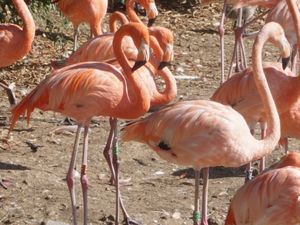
[{"x": 9, "y": 14}]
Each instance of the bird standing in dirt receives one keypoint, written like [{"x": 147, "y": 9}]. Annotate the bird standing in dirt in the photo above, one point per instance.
[
  {"x": 82, "y": 91},
  {"x": 15, "y": 42},
  {"x": 241, "y": 93},
  {"x": 271, "y": 198},
  {"x": 203, "y": 133},
  {"x": 91, "y": 12}
]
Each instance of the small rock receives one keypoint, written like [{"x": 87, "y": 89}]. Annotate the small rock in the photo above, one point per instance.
[{"x": 176, "y": 215}]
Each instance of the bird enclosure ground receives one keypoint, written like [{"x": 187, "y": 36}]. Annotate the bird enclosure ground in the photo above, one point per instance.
[{"x": 37, "y": 157}]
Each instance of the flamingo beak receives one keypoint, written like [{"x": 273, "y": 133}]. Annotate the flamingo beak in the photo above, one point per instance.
[
  {"x": 163, "y": 64},
  {"x": 285, "y": 62},
  {"x": 137, "y": 65},
  {"x": 151, "y": 22}
]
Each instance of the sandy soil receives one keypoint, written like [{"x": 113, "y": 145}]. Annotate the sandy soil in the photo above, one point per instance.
[{"x": 159, "y": 192}]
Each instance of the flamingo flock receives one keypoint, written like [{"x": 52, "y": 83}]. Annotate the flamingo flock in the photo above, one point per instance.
[{"x": 113, "y": 75}]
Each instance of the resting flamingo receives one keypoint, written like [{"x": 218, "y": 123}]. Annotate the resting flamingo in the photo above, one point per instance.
[
  {"x": 271, "y": 198},
  {"x": 241, "y": 93},
  {"x": 15, "y": 42},
  {"x": 82, "y": 91},
  {"x": 84, "y": 11},
  {"x": 204, "y": 133}
]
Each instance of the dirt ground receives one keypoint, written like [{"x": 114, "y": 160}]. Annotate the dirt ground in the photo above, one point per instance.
[{"x": 159, "y": 192}]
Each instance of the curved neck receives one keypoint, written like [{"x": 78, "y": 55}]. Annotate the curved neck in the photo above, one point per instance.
[
  {"x": 133, "y": 17},
  {"x": 273, "y": 131},
  {"x": 141, "y": 100},
  {"x": 114, "y": 18},
  {"x": 170, "y": 91},
  {"x": 293, "y": 8},
  {"x": 28, "y": 22}
]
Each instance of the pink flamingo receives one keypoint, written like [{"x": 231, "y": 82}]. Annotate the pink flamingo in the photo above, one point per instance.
[
  {"x": 85, "y": 90},
  {"x": 271, "y": 198},
  {"x": 205, "y": 133},
  {"x": 241, "y": 93},
  {"x": 84, "y": 11},
  {"x": 15, "y": 42}
]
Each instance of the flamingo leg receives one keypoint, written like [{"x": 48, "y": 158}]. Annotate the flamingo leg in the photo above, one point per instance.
[
  {"x": 107, "y": 153},
  {"x": 248, "y": 176},
  {"x": 71, "y": 174},
  {"x": 196, "y": 216},
  {"x": 116, "y": 167},
  {"x": 286, "y": 145},
  {"x": 262, "y": 161},
  {"x": 221, "y": 33},
  {"x": 84, "y": 177},
  {"x": 75, "y": 38},
  {"x": 204, "y": 196},
  {"x": 9, "y": 91},
  {"x": 108, "y": 156}
]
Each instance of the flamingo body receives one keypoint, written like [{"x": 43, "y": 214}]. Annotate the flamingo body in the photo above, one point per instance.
[
  {"x": 272, "y": 198},
  {"x": 197, "y": 133},
  {"x": 16, "y": 42},
  {"x": 91, "y": 12}
]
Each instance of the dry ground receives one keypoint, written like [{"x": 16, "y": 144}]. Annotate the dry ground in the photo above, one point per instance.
[{"x": 158, "y": 193}]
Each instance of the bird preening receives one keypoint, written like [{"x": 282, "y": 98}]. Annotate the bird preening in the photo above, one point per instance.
[{"x": 129, "y": 69}]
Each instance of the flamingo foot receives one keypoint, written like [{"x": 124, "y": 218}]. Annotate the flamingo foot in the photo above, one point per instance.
[
  {"x": 5, "y": 183},
  {"x": 68, "y": 122},
  {"x": 122, "y": 182},
  {"x": 129, "y": 221}
]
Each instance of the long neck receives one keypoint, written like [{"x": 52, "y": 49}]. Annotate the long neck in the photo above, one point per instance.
[
  {"x": 273, "y": 131},
  {"x": 114, "y": 18},
  {"x": 293, "y": 8},
  {"x": 28, "y": 22},
  {"x": 170, "y": 91},
  {"x": 133, "y": 17},
  {"x": 141, "y": 100}
]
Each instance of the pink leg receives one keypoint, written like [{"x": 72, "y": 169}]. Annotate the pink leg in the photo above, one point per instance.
[
  {"x": 221, "y": 33},
  {"x": 204, "y": 196},
  {"x": 9, "y": 91},
  {"x": 127, "y": 219},
  {"x": 71, "y": 177},
  {"x": 197, "y": 199},
  {"x": 75, "y": 38},
  {"x": 116, "y": 167},
  {"x": 107, "y": 153},
  {"x": 262, "y": 161},
  {"x": 84, "y": 177}
]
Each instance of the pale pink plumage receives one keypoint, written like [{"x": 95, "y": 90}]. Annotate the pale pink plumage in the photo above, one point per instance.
[
  {"x": 89, "y": 89},
  {"x": 91, "y": 12},
  {"x": 205, "y": 133},
  {"x": 16, "y": 42}
]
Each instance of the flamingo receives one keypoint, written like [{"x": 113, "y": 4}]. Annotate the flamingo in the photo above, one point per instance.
[
  {"x": 285, "y": 89},
  {"x": 84, "y": 11},
  {"x": 203, "y": 133},
  {"x": 271, "y": 198},
  {"x": 15, "y": 42},
  {"x": 82, "y": 91}
]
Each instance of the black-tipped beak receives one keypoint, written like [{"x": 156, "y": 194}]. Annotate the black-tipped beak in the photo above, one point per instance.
[
  {"x": 151, "y": 22},
  {"x": 163, "y": 65},
  {"x": 285, "y": 62},
  {"x": 137, "y": 65}
]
